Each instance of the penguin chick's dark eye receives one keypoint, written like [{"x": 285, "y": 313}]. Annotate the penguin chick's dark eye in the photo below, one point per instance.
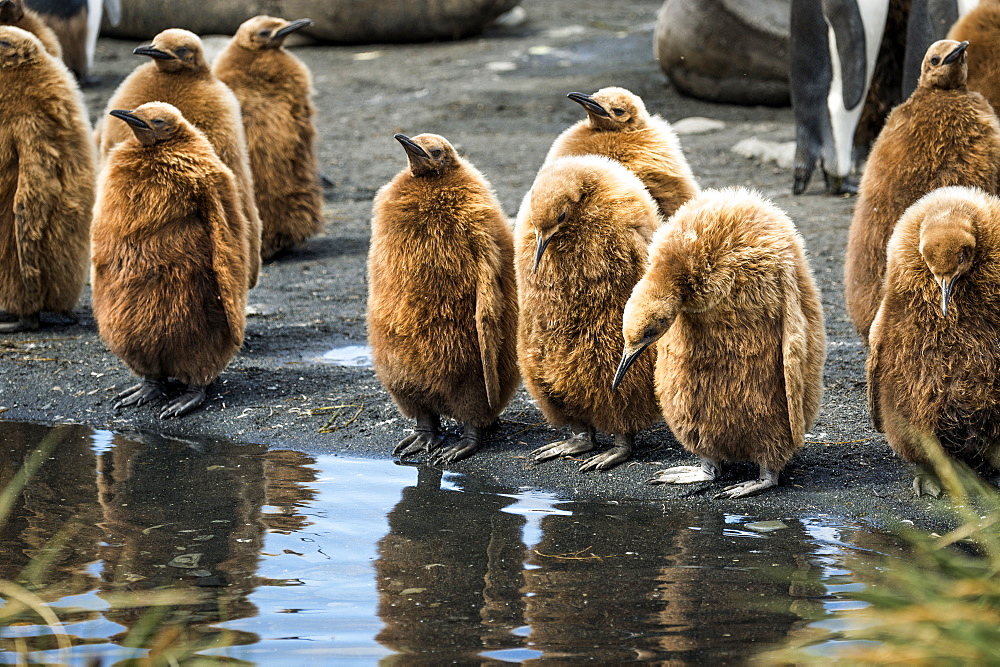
[
  {"x": 935, "y": 61},
  {"x": 650, "y": 332},
  {"x": 562, "y": 217},
  {"x": 5, "y": 44},
  {"x": 264, "y": 33},
  {"x": 618, "y": 112},
  {"x": 183, "y": 51},
  {"x": 159, "y": 122},
  {"x": 436, "y": 152}
]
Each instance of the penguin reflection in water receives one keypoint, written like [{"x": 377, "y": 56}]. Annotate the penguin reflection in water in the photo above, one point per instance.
[
  {"x": 442, "y": 309},
  {"x": 934, "y": 365},
  {"x": 730, "y": 303},
  {"x": 170, "y": 258}
]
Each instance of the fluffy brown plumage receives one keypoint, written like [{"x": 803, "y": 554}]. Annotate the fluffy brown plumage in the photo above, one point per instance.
[
  {"x": 981, "y": 28},
  {"x": 935, "y": 343},
  {"x": 730, "y": 303},
  {"x": 581, "y": 240},
  {"x": 942, "y": 135},
  {"x": 274, "y": 88},
  {"x": 170, "y": 258},
  {"x": 179, "y": 75},
  {"x": 442, "y": 304},
  {"x": 47, "y": 172},
  {"x": 619, "y": 127},
  {"x": 14, "y": 13}
]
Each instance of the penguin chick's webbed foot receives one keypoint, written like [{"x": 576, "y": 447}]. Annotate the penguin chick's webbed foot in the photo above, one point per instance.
[
  {"x": 768, "y": 478},
  {"x": 179, "y": 406},
  {"x": 465, "y": 447},
  {"x": 148, "y": 390},
  {"x": 582, "y": 440},
  {"x": 619, "y": 453},
  {"x": 426, "y": 437},
  {"x": 28, "y": 322},
  {"x": 926, "y": 483},
  {"x": 706, "y": 472}
]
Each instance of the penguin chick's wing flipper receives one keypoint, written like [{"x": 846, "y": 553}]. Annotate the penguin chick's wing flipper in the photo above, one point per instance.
[
  {"x": 37, "y": 189},
  {"x": 230, "y": 250},
  {"x": 872, "y": 368},
  {"x": 794, "y": 350},
  {"x": 489, "y": 311}
]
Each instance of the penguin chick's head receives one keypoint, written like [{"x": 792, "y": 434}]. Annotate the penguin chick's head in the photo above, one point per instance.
[
  {"x": 175, "y": 50},
  {"x": 650, "y": 311},
  {"x": 153, "y": 122},
  {"x": 267, "y": 32},
  {"x": 948, "y": 243},
  {"x": 613, "y": 109},
  {"x": 557, "y": 196},
  {"x": 429, "y": 154},
  {"x": 945, "y": 65},
  {"x": 18, "y": 47},
  {"x": 11, "y": 11}
]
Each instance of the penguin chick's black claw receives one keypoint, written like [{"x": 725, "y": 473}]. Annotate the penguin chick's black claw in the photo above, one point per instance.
[
  {"x": 578, "y": 444},
  {"x": 146, "y": 391},
  {"x": 185, "y": 403},
  {"x": 464, "y": 448},
  {"x": 28, "y": 322},
  {"x": 607, "y": 460}
]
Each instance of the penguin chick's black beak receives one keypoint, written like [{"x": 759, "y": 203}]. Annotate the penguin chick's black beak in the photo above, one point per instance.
[
  {"x": 129, "y": 118},
  {"x": 626, "y": 363},
  {"x": 946, "y": 286},
  {"x": 292, "y": 27},
  {"x": 589, "y": 104},
  {"x": 540, "y": 245},
  {"x": 153, "y": 52},
  {"x": 955, "y": 54},
  {"x": 411, "y": 147}
]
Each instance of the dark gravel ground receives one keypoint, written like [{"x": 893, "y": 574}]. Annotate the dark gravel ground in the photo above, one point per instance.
[{"x": 501, "y": 99}]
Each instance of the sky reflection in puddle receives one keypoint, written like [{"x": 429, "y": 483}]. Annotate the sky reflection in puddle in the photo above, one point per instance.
[{"x": 273, "y": 556}]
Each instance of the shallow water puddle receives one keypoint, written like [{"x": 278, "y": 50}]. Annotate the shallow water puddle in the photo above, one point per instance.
[
  {"x": 355, "y": 356},
  {"x": 229, "y": 551}
]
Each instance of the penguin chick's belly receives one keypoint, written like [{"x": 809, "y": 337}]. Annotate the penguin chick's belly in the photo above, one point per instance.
[
  {"x": 164, "y": 317},
  {"x": 729, "y": 407}
]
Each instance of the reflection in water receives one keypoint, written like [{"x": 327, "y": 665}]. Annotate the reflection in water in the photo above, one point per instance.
[{"x": 145, "y": 545}]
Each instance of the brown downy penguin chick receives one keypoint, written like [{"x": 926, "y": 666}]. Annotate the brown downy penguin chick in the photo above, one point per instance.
[
  {"x": 14, "y": 13},
  {"x": 170, "y": 258},
  {"x": 47, "y": 173},
  {"x": 942, "y": 135},
  {"x": 179, "y": 75},
  {"x": 442, "y": 302},
  {"x": 619, "y": 127},
  {"x": 581, "y": 240},
  {"x": 730, "y": 303},
  {"x": 981, "y": 28},
  {"x": 934, "y": 360},
  {"x": 273, "y": 87}
]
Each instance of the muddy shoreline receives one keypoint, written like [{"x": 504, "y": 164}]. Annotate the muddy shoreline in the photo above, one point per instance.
[{"x": 500, "y": 98}]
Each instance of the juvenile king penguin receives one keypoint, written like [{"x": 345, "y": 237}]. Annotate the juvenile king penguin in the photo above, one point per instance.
[
  {"x": 47, "y": 168},
  {"x": 170, "y": 258},
  {"x": 730, "y": 304},
  {"x": 942, "y": 135},
  {"x": 179, "y": 75},
  {"x": 619, "y": 127},
  {"x": 981, "y": 28},
  {"x": 273, "y": 87},
  {"x": 581, "y": 241},
  {"x": 14, "y": 13},
  {"x": 935, "y": 342},
  {"x": 442, "y": 302}
]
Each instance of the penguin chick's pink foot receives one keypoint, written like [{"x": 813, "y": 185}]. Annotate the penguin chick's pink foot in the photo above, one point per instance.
[
  {"x": 179, "y": 406},
  {"x": 583, "y": 440},
  {"x": 465, "y": 447},
  {"x": 426, "y": 437},
  {"x": 150, "y": 389},
  {"x": 28, "y": 322},
  {"x": 768, "y": 478},
  {"x": 706, "y": 472},
  {"x": 620, "y": 453}
]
